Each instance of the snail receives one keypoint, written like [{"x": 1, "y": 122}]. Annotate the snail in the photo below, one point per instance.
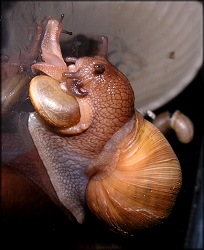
[
  {"x": 180, "y": 123},
  {"x": 97, "y": 149}
]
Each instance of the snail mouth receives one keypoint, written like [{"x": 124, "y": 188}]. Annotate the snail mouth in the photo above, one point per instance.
[
  {"x": 74, "y": 78},
  {"x": 75, "y": 87}
]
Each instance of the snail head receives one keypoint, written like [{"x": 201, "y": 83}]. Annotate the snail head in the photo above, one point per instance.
[{"x": 91, "y": 74}]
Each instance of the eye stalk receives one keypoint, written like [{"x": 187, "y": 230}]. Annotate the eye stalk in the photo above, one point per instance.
[{"x": 99, "y": 69}]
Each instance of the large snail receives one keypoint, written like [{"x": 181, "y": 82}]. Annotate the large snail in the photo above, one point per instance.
[{"x": 96, "y": 148}]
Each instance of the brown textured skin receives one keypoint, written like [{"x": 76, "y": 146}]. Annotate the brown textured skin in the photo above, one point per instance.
[{"x": 111, "y": 99}]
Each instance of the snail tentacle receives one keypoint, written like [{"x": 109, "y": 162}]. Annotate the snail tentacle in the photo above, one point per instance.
[
  {"x": 70, "y": 59},
  {"x": 53, "y": 64},
  {"x": 60, "y": 26},
  {"x": 104, "y": 50}
]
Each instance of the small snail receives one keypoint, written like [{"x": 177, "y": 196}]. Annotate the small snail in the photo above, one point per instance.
[
  {"x": 108, "y": 156},
  {"x": 179, "y": 122}
]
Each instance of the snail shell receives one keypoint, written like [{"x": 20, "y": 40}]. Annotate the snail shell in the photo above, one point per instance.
[
  {"x": 52, "y": 104},
  {"x": 141, "y": 190}
]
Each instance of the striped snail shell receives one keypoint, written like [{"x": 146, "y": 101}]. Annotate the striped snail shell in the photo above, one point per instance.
[{"x": 141, "y": 188}]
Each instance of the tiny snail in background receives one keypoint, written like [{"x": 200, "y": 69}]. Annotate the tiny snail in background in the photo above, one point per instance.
[
  {"x": 103, "y": 153},
  {"x": 180, "y": 123}
]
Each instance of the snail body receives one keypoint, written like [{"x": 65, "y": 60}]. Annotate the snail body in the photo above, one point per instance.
[
  {"x": 182, "y": 126},
  {"x": 180, "y": 123},
  {"x": 111, "y": 159}
]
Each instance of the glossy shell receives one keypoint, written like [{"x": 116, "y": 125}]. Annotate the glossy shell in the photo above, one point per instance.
[
  {"x": 143, "y": 187},
  {"x": 56, "y": 107}
]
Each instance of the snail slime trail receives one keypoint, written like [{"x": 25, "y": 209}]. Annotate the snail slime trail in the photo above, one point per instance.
[{"x": 96, "y": 148}]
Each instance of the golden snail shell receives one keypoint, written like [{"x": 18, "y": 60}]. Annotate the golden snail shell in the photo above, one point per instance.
[
  {"x": 142, "y": 189},
  {"x": 52, "y": 104},
  {"x": 58, "y": 108}
]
